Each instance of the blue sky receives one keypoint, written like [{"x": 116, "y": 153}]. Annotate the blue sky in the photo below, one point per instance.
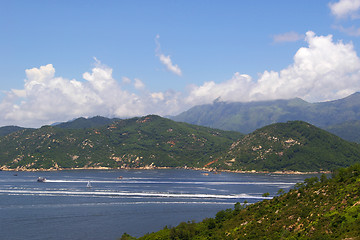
[{"x": 66, "y": 59}]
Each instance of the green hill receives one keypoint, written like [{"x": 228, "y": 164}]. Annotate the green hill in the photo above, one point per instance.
[
  {"x": 9, "y": 129},
  {"x": 316, "y": 209},
  {"x": 149, "y": 141},
  {"x": 294, "y": 146},
  {"x": 153, "y": 141},
  {"x": 246, "y": 117},
  {"x": 82, "y": 123}
]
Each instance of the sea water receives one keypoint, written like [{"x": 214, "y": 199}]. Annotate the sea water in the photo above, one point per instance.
[{"x": 118, "y": 201}]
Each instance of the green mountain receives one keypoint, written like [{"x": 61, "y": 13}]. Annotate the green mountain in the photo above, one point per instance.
[
  {"x": 149, "y": 141},
  {"x": 315, "y": 209},
  {"x": 249, "y": 116},
  {"x": 82, "y": 123},
  {"x": 347, "y": 130},
  {"x": 153, "y": 141},
  {"x": 79, "y": 123},
  {"x": 9, "y": 129},
  {"x": 294, "y": 146}
]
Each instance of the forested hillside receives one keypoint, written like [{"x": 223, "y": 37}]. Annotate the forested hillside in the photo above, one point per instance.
[
  {"x": 153, "y": 141},
  {"x": 149, "y": 141},
  {"x": 297, "y": 146},
  {"x": 316, "y": 209}
]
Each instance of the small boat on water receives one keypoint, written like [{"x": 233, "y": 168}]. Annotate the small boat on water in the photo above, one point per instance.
[
  {"x": 88, "y": 185},
  {"x": 41, "y": 179}
]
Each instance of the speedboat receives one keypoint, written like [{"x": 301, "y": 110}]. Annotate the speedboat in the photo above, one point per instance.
[{"x": 41, "y": 179}]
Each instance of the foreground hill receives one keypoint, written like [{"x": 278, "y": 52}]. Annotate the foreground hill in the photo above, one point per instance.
[
  {"x": 246, "y": 117},
  {"x": 296, "y": 146},
  {"x": 149, "y": 141},
  {"x": 317, "y": 209},
  {"x": 152, "y": 141}
]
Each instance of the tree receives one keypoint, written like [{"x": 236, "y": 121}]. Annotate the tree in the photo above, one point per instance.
[{"x": 280, "y": 192}]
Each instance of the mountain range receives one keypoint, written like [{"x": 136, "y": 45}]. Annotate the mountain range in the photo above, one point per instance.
[
  {"x": 342, "y": 117},
  {"x": 152, "y": 141}
]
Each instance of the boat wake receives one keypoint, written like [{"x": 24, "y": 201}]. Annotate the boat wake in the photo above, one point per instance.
[{"x": 129, "y": 194}]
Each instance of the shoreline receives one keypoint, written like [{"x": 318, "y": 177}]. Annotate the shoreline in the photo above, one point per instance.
[{"x": 156, "y": 168}]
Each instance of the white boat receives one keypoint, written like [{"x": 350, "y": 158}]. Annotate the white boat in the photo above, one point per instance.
[{"x": 88, "y": 185}]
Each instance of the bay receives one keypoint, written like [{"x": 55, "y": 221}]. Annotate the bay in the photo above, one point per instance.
[{"x": 118, "y": 201}]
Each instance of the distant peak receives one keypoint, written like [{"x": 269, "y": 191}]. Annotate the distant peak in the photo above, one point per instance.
[
  {"x": 355, "y": 94},
  {"x": 218, "y": 100}
]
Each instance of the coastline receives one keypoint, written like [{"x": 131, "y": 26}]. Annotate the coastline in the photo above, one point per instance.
[{"x": 23, "y": 169}]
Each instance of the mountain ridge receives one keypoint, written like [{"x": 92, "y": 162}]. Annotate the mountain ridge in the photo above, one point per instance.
[
  {"x": 152, "y": 141},
  {"x": 246, "y": 117}
]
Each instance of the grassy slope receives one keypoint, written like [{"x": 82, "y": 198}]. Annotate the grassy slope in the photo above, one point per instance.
[{"x": 316, "y": 209}]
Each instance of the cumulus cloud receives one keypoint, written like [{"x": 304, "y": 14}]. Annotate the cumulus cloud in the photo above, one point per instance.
[
  {"x": 235, "y": 89},
  {"x": 325, "y": 70},
  {"x": 322, "y": 70},
  {"x": 166, "y": 60},
  {"x": 345, "y": 8},
  {"x": 287, "y": 37},
  {"x": 46, "y": 98}
]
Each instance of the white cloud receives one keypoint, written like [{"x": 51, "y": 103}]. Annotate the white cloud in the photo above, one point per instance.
[
  {"x": 235, "y": 89},
  {"x": 46, "y": 98},
  {"x": 324, "y": 70},
  {"x": 139, "y": 84},
  {"x": 158, "y": 96},
  {"x": 287, "y": 37},
  {"x": 345, "y": 8},
  {"x": 126, "y": 80},
  {"x": 351, "y": 31},
  {"x": 166, "y": 60}
]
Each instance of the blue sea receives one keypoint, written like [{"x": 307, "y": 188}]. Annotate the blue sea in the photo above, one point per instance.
[{"x": 119, "y": 201}]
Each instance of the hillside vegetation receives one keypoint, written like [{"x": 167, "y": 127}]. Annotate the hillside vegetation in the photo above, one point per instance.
[
  {"x": 149, "y": 141},
  {"x": 296, "y": 146},
  {"x": 316, "y": 209},
  {"x": 9, "y": 129},
  {"x": 152, "y": 141}
]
